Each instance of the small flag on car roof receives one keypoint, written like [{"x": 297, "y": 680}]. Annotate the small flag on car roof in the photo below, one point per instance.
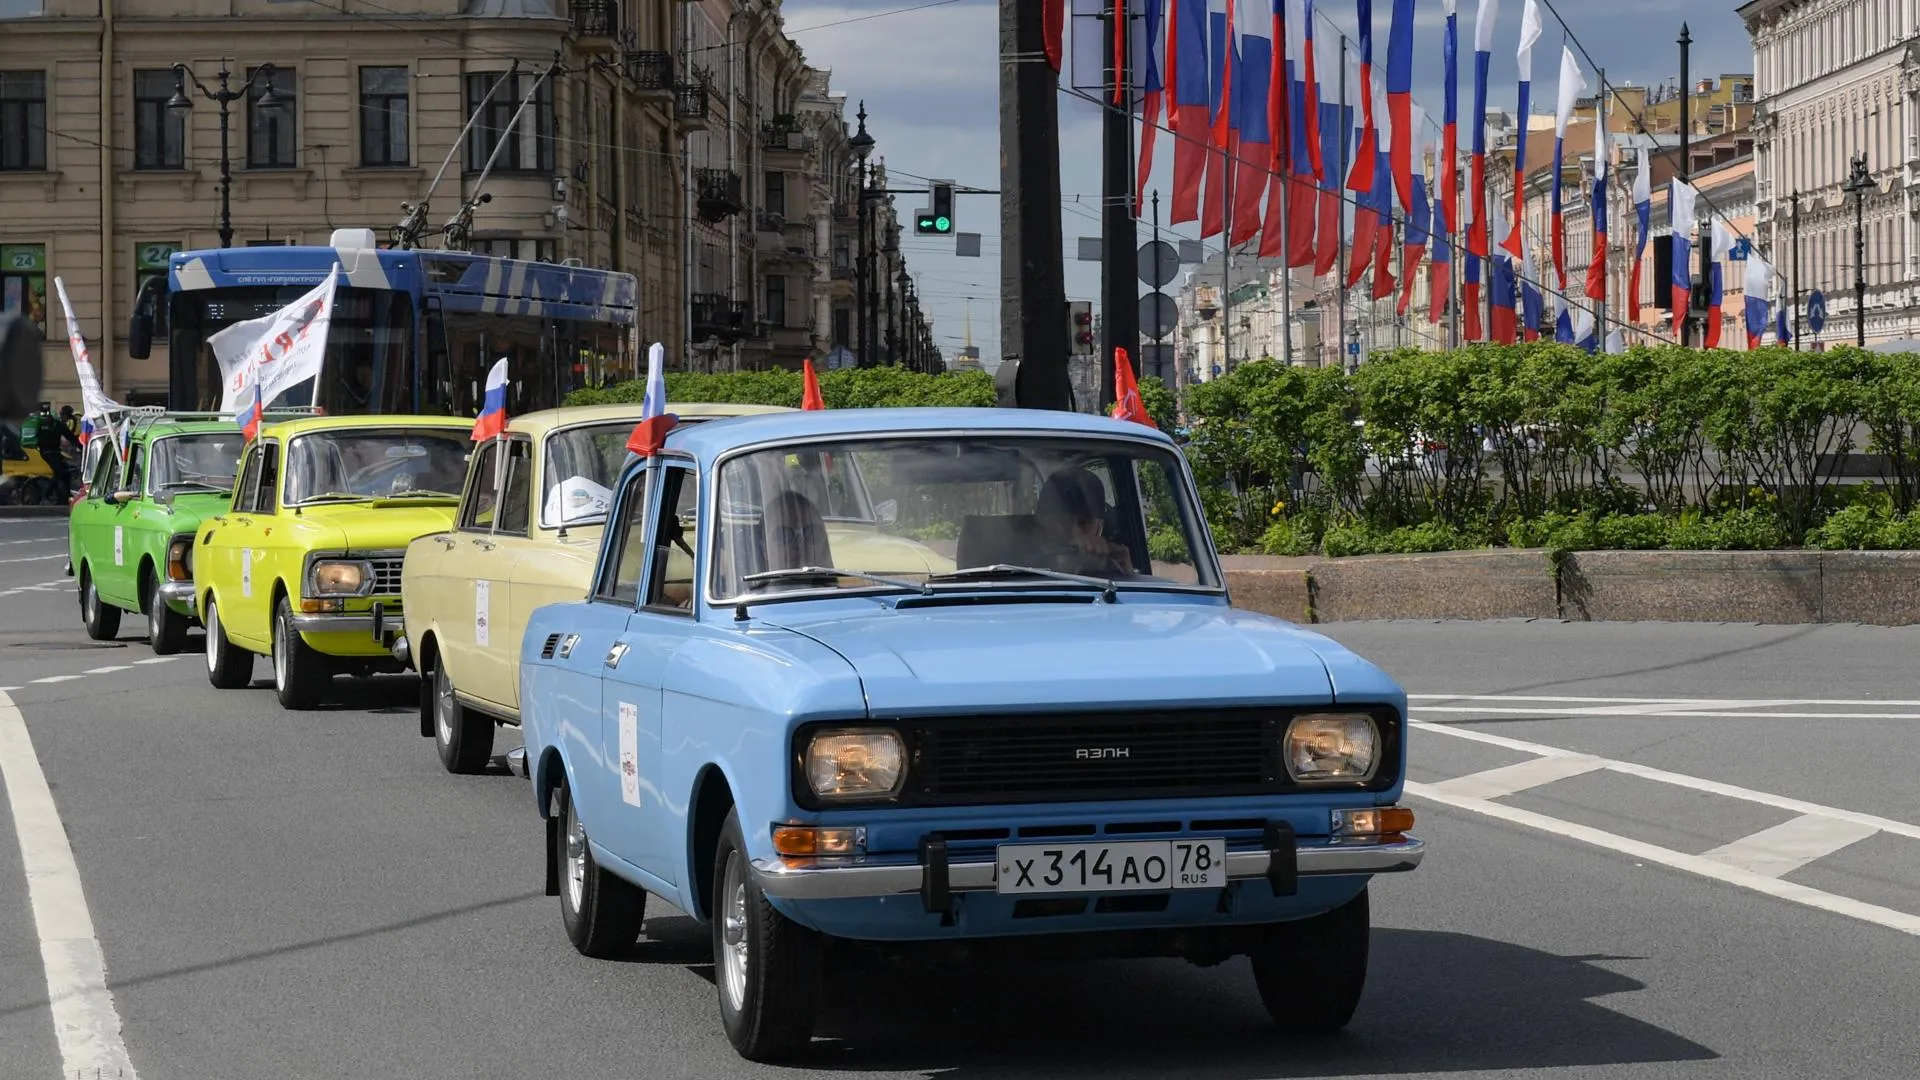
[
  {"x": 492, "y": 421},
  {"x": 810, "y": 382}
]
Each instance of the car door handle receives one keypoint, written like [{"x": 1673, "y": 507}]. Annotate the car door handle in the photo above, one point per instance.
[
  {"x": 483, "y": 545},
  {"x": 447, "y": 540},
  {"x": 614, "y": 654}
]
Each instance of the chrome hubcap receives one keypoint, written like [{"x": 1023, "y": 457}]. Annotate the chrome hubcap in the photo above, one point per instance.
[
  {"x": 280, "y": 659},
  {"x": 733, "y": 934},
  {"x": 89, "y": 602},
  {"x": 213, "y": 637},
  {"x": 443, "y": 704},
  {"x": 576, "y": 859}
]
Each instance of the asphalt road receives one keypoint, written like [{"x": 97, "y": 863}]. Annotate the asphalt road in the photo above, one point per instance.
[{"x": 1689, "y": 864}]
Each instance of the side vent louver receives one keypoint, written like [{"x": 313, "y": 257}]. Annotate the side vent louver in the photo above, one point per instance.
[{"x": 546, "y": 651}]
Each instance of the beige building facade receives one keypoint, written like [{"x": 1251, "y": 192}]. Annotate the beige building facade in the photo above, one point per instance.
[{"x": 683, "y": 141}]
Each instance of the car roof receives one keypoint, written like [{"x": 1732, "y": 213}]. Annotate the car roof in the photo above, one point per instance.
[
  {"x": 303, "y": 425},
  {"x": 711, "y": 438},
  {"x": 537, "y": 424}
]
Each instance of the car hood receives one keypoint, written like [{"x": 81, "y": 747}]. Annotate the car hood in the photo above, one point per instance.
[
  {"x": 1082, "y": 655},
  {"x": 358, "y": 527}
]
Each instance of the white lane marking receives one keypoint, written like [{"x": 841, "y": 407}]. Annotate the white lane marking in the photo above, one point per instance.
[
  {"x": 59, "y": 678},
  {"x": 1663, "y": 700},
  {"x": 40, "y": 540},
  {"x": 108, "y": 668},
  {"x": 1513, "y": 779},
  {"x": 1790, "y": 845},
  {"x": 1712, "y": 787},
  {"x": 1708, "y": 868},
  {"x": 1479, "y": 710},
  {"x": 84, "y": 1018},
  {"x": 157, "y": 660},
  {"x": 35, "y": 558},
  {"x": 7, "y": 689},
  {"x": 45, "y": 586}
]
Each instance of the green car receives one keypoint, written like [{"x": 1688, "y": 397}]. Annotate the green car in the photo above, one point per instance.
[{"x": 131, "y": 537}]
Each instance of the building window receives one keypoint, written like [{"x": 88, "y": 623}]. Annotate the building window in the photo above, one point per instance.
[
  {"x": 842, "y": 326},
  {"x": 776, "y": 312},
  {"x": 270, "y": 132},
  {"x": 531, "y": 146},
  {"x": 608, "y": 147},
  {"x": 23, "y": 281},
  {"x": 383, "y": 116},
  {"x": 22, "y": 9},
  {"x": 159, "y": 133},
  {"x": 776, "y": 200},
  {"x": 501, "y": 247},
  {"x": 149, "y": 262},
  {"x": 23, "y": 120}
]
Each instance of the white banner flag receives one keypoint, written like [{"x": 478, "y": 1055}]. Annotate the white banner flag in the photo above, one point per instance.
[
  {"x": 95, "y": 404},
  {"x": 279, "y": 351}
]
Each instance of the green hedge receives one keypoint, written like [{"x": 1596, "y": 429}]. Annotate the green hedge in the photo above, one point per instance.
[
  {"x": 848, "y": 388},
  {"x": 1545, "y": 445}
]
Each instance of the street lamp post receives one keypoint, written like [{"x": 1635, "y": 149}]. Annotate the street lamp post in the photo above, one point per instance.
[
  {"x": 181, "y": 102},
  {"x": 1858, "y": 184},
  {"x": 862, "y": 145}
]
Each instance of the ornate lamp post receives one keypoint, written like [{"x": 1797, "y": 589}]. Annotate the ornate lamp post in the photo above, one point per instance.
[
  {"x": 1858, "y": 184},
  {"x": 862, "y": 145},
  {"x": 271, "y": 100}
]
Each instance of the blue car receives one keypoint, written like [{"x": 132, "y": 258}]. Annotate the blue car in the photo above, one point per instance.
[{"x": 948, "y": 681}]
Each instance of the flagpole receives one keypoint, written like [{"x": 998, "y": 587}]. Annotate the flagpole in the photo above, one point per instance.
[
  {"x": 1601, "y": 173},
  {"x": 1340, "y": 216}
]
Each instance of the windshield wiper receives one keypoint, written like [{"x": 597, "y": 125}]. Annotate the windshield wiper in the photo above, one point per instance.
[
  {"x": 799, "y": 572},
  {"x": 201, "y": 484},
  {"x": 1106, "y": 586},
  {"x": 336, "y": 496},
  {"x": 420, "y": 493}
]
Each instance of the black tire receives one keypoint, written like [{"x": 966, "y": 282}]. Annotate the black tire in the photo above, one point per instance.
[
  {"x": 166, "y": 628},
  {"x": 101, "y": 618},
  {"x": 602, "y": 912},
  {"x": 229, "y": 666},
  {"x": 1310, "y": 973},
  {"x": 299, "y": 677},
  {"x": 463, "y": 737},
  {"x": 765, "y": 966}
]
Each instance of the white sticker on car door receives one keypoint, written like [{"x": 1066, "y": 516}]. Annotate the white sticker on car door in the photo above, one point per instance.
[
  {"x": 246, "y": 572},
  {"x": 119, "y": 545},
  {"x": 629, "y": 754},
  {"x": 480, "y": 620}
]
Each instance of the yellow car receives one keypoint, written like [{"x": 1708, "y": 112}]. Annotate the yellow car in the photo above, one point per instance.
[
  {"x": 470, "y": 588},
  {"x": 305, "y": 565}
]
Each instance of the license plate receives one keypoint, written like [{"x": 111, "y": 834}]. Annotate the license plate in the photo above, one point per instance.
[{"x": 1122, "y": 866}]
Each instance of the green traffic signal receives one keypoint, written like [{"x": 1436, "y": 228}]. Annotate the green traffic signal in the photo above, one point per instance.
[{"x": 930, "y": 223}]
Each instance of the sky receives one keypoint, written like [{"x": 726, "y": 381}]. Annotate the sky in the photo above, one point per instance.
[{"x": 928, "y": 72}]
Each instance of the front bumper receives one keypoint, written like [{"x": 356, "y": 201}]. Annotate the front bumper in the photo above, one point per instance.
[
  {"x": 179, "y": 592},
  {"x": 934, "y": 878},
  {"x": 375, "y": 624}
]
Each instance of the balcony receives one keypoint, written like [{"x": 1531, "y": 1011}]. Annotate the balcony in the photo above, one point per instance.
[
  {"x": 769, "y": 229},
  {"x": 715, "y": 316},
  {"x": 690, "y": 106},
  {"x": 716, "y": 193},
  {"x": 780, "y": 139},
  {"x": 596, "y": 24},
  {"x": 650, "y": 71}
]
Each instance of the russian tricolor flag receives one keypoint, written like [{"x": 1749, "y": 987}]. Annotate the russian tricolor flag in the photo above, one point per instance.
[
  {"x": 1188, "y": 112},
  {"x": 1716, "y": 296},
  {"x": 1597, "y": 266},
  {"x": 1253, "y": 119},
  {"x": 1643, "y": 210},
  {"x": 1153, "y": 96},
  {"x": 250, "y": 419},
  {"x": 1360, "y": 177},
  {"x": 492, "y": 421},
  {"x": 1447, "y": 206},
  {"x": 1572, "y": 85},
  {"x": 1529, "y": 33},
  {"x": 1680, "y": 204},
  {"x": 1400, "y": 100},
  {"x": 1477, "y": 234},
  {"x": 1759, "y": 280}
]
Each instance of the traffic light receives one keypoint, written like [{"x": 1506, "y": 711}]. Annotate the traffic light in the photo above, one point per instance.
[
  {"x": 937, "y": 220},
  {"x": 1080, "y": 328}
]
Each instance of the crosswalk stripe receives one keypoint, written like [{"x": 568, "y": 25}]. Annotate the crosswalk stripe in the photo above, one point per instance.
[{"x": 1792, "y": 844}]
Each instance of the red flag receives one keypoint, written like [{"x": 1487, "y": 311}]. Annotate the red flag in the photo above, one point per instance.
[
  {"x": 650, "y": 434},
  {"x": 810, "y": 393},
  {"x": 1053, "y": 28},
  {"x": 1127, "y": 404}
]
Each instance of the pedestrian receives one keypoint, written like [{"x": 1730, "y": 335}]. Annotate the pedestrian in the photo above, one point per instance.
[{"x": 52, "y": 435}]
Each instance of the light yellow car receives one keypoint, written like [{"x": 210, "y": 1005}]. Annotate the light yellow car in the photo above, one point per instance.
[
  {"x": 471, "y": 589},
  {"x": 305, "y": 565}
]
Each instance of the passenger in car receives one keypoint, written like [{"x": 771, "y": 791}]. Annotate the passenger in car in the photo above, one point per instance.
[{"x": 796, "y": 533}]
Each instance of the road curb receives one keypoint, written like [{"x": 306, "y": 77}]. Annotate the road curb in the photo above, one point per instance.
[{"x": 1789, "y": 587}]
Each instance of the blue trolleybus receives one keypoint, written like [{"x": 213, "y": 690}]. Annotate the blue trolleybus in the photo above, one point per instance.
[{"x": 413, "y": 331}]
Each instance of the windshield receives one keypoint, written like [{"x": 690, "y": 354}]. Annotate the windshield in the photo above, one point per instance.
[
  {"x": 184, "y": 463},
  {"x": 919, "y": 510},
  {"x": 582, "y": 466},
  {"x": 368, "y": 367},
  {"x": 377, "y": 463}
]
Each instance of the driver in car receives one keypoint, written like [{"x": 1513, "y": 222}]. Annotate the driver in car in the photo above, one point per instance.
[{"x": 1073, "y": 523}]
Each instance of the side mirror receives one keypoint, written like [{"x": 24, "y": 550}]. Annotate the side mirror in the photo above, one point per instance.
[
  {"x": 140, "y": 335},
  {"x": 887, "y": 512}
]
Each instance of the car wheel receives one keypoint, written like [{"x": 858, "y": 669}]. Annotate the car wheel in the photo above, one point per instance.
[
  {"x": 766, "y": 966},
  {"x": 463, "y": 736},
  {"x": 166, "y": 628},
  {"x": 102, "y": 618},
  {"x": 1310, "y": 973},
  {"x": 298, "y": 677},
  {"x": 602, "y": 912},
  {"x": 229, "y": 666}
]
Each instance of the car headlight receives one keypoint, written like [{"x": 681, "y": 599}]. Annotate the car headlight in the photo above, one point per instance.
[
  {"x": 180, "y": 559},
  {"x": 338, "y": 577},
  {"x": 1331, "y": 746},
  {"x": 855, "y": 764}
]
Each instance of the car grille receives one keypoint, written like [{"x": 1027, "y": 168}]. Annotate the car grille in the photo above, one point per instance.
[
  {"x": 386, "y": 576},
  {"x": 1008, "y": 759}
]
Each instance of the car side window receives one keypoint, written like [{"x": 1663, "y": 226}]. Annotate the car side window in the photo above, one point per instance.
[
  {"x": 519, "y": 490},
  {"x": 269, "y": 478},
  {"x": 243, "y": 488},
  {"x": 670, "y": 557},
  {"x": 137, "y": 468},
  {"x": 627, "y": 533},
  {"x": 476, "y": 507},
  {"x": 106, "y": 473}
]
